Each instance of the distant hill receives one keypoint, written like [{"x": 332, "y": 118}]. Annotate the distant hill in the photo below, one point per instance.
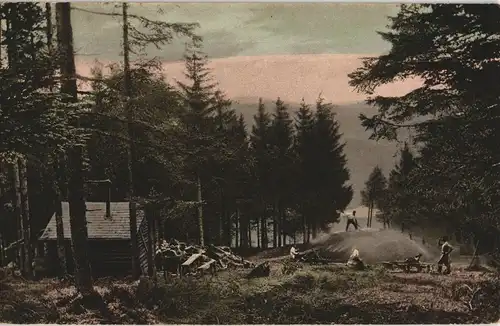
[{"x": 362, "y": 153}]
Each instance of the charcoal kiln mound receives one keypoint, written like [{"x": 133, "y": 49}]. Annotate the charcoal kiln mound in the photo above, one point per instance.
[{"x": 374, "y": 246}]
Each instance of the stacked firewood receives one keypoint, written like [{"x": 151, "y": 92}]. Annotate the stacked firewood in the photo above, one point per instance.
[{"x": 179, "y": 258}]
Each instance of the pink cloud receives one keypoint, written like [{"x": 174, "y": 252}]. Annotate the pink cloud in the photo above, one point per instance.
[{"x": 291, "y": 77}]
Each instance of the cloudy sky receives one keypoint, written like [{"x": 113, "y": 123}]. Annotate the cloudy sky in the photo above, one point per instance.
[{"x": 244, "y": 29}]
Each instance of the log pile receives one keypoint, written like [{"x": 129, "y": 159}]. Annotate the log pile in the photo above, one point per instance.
[{"x": 179, "y": 258}]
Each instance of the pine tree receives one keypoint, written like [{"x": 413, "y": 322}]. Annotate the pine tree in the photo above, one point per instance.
[
  {"x": 259, "y": 140},
  {"x": 281, "y": 141},
  {"x": 304, "y": 166},
  {"x": 201, "y": 104},
  {"x": 398, "y": 190},
  {"x": 331, "y": 173},
  {"x": 374, "y": 192}
]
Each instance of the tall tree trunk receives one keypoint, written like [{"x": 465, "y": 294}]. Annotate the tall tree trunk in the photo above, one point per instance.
[
  {"x": 276, "y": 225},
  {"x": 244, "y": 238},
  {"x": 49, "y": 31},
  {"x": 26, "y": 220},
  {"x": 58, "y": 189},
  {"x": 78, "y": 224},
  {"x": 237, "y": 234},
  {"x": 304, "y": 226},
  {"x": 199, "y": 199},
  {"x": 151, "y": 240},
  {"x": 2, "y": 252},
  {"x": 249, "y": 230},
  {"x": 263, "y": 231},
  {"x": 59, "y": 169},
  {"x": 368, "y": 217},
  {"x": 127, "y": 89},
  {"x": 66, "y": 50},
  {"x": 76, "y": 196},
  {"x": 1, "y": 41},
  {"x": 283, "y": 220},
  {"x": 18, "y": 213},
  {"x": 11, "y": 50},
  {"x": 258, "y": 234}
]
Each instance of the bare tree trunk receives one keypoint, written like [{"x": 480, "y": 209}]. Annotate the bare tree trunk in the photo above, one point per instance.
[
  {"x": 49, "y": 31},
  {"x": 304, "y": 225},
  {"x": 1, "y": 41},
  {"x": 76, "y": 196},
  {"x": 61, "y": 249},
  {"x": 127, "y": 88},
  {"x": 66, "y": 51},
  {"x": 2, "y": 253},
  {"x": 249, "y": 230},
  {"x": 78, "y": 224},
  {"x": 200, "y": 210},
  {"x": 263, "y": 233},
  {"x": 17, "y": 213},
  {"x": 368, "y": 217},
  {"x": 244, "y": 236},
  {"x": 259, "y": 245},
  {"x": 26, "y": 220},
  {"x": 237, "y": 234},
  {"x": 283, "y": 219},
  {"x": 151, "y": 240}
]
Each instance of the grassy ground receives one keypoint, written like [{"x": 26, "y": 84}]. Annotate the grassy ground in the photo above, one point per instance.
[{"x": 293, "y": 293}]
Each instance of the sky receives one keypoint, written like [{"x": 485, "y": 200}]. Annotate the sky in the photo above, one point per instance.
[{"x": 243, "y": 29}]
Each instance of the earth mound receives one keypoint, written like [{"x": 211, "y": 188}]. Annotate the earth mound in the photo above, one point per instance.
[{"x": 374, "y": 246}]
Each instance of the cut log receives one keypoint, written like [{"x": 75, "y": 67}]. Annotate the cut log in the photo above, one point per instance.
[
  {"x": 191, "y": 259},
  {"x": 207, "y": 265}
]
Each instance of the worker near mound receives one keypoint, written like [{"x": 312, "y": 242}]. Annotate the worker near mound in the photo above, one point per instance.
[
  {"x": 446, "y": 249},
  {"x": 351, "y": 219}
]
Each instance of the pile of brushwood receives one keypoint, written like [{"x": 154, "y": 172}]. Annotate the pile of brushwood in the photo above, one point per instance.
[{"x": 179, "y": 258}]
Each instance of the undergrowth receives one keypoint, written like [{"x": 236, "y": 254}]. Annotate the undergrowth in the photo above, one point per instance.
[{"x": 293, "y": 294}]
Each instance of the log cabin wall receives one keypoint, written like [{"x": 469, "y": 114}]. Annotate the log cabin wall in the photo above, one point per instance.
[{"x": 107, "y": 257}]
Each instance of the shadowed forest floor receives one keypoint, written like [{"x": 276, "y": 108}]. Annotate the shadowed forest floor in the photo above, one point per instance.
[{"x": 293, "y": 293}]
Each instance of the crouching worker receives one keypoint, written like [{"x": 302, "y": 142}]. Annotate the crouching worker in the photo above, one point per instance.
[
  {"x": 355, "y": 261},
  {"x": 446, "y": 249},
  {"x": 413, "y": 260},
  {"x": 293, "y": 252}
]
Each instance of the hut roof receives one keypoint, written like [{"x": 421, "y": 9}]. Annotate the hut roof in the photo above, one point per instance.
[{"x": 99, "y": 226}]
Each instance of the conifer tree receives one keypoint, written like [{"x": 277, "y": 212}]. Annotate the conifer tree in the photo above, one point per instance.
[
  {"x": 398, "y": 191},
  {"x": 281, "y": 142},
  {"x": 201, "y": 101},
  {"x": 374, "y": 192},
  {"x": 304, "y": 166},
  {"x": 259, "y": 140},
  {"x": 331, "y": 174}
]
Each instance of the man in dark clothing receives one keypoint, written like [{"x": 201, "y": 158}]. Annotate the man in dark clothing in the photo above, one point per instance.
[
  {"x": 446, "y": 249},
  {"x": 352, "y": 220}
]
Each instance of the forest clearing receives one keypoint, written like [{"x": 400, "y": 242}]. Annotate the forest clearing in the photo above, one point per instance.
[
  {"x": 293, "y": 293},
  {"x": 128, "y": 195}
]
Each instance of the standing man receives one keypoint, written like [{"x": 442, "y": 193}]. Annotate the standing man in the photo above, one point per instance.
[
  {"x": 351, "y": 219},
  {"x": 446, "y": 249}
]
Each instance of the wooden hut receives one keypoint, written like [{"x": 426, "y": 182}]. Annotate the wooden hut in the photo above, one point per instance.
[{"x": 108, "y": 239}]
